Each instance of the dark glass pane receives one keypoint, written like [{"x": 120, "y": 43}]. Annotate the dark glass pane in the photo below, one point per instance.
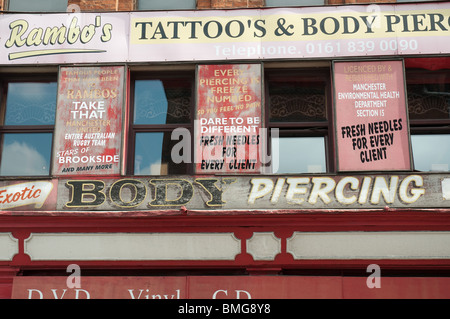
[
  {"x": 166, "y": 4},
  {"x": 429, "y": 101},
  {"x": 297, "y": 101},
  {"x": 26, "y": 154},
  {"x": 162, "y": 102},
  {"x": 153, "y": 155},
  {"x": 38, "y": 6},
  {"x": 428, "y": 94},
  {"x": 295, "y": 3},
  {"x": 31, "y": 103},
  {"x": 431, "y": 152},
  {"x": 298, "y": 155}
]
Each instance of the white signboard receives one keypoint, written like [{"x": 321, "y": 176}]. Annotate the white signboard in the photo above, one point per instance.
[{"x": 206, "y": 35}]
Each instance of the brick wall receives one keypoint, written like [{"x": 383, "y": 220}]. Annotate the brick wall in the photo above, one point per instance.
[
  {"x": 130, "y": 5},
  {"x": 104, "y": 5},
  {"x": 237, "y": 3},
  {"x": 360, "y": 1},
  {"x": 224, "y": 4}
]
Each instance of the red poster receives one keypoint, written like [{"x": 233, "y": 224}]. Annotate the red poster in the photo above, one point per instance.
[
  {"x": 88, "y": 128},
  {"x": 371, "y": 121},
  {"x": 228, "y": 120}
]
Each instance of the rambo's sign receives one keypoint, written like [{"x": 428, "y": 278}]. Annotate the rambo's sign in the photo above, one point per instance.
[{"x": 262, "y": 192}]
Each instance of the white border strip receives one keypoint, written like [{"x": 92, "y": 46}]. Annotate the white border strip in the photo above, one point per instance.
[{"x": 132, "y": 246}]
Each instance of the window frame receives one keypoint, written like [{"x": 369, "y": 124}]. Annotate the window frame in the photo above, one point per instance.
[
  {"x": 287, "y": 3},
  {"x": 8, "y": 6},
  {"x": 323, "y": 129},
  {"x": 165, "y": 9},
  {"x": 25, "y": 129},
  {"x": 433, "y": 126},
  {"x": 134, "y": 129},
  {"x": 423, "y": 125}
]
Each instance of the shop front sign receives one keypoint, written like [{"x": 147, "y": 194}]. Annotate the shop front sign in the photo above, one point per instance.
[
  {"x": 217, "y": 195},
  {"x": 227, "y": 194}
]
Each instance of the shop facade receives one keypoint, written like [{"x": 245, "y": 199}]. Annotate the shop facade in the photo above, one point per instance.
[{"x": 289, "y": 152}]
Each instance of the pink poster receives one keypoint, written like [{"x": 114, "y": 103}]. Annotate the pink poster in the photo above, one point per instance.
[
  {"x": 228, "y": 118},
  {"x": 88, "y": 128},
  {"x": 371, "y": 121}
]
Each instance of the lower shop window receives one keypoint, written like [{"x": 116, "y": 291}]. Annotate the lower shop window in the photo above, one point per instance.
[
  {"x": 153, "y": 155},
  {"x": 26, "y": 154},
  {"x": 299, "y": 154},
  {"x": 431, "y": 152}
]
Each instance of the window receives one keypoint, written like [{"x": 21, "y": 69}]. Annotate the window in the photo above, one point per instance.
[
  {"x": 166, "y": 4},
  {"x": 293, "y": 160},
  {"x": 297, "y": 106},
  {"x": 160, "y": 105},
  {"x": 418, "y": 0},
  {"x": 429, "y": 113},
  {"x": 27, "y": 121},
  {"x": 294, "y": 3},
  {"x": 37, "y": 6},
  {"x": 436, "y": 144}
]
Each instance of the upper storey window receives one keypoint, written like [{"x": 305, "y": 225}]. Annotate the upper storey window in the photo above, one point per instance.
[
  {"x": 161, "y": 104},
  {"x": 294, "y": 3},
  {"x": 26, "y": 127},
  {"x": 428, "y": 87},
  {"x": 166, "y": 4},
  {"x": 37, "y": 6},
  {"x": 297, "y": 107}
]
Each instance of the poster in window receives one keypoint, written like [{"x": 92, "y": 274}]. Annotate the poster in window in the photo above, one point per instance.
[
  {"x": 372, "y": 130},
  {"x": 88, "y": 128},
  {"x": 228, "y": 121}
]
